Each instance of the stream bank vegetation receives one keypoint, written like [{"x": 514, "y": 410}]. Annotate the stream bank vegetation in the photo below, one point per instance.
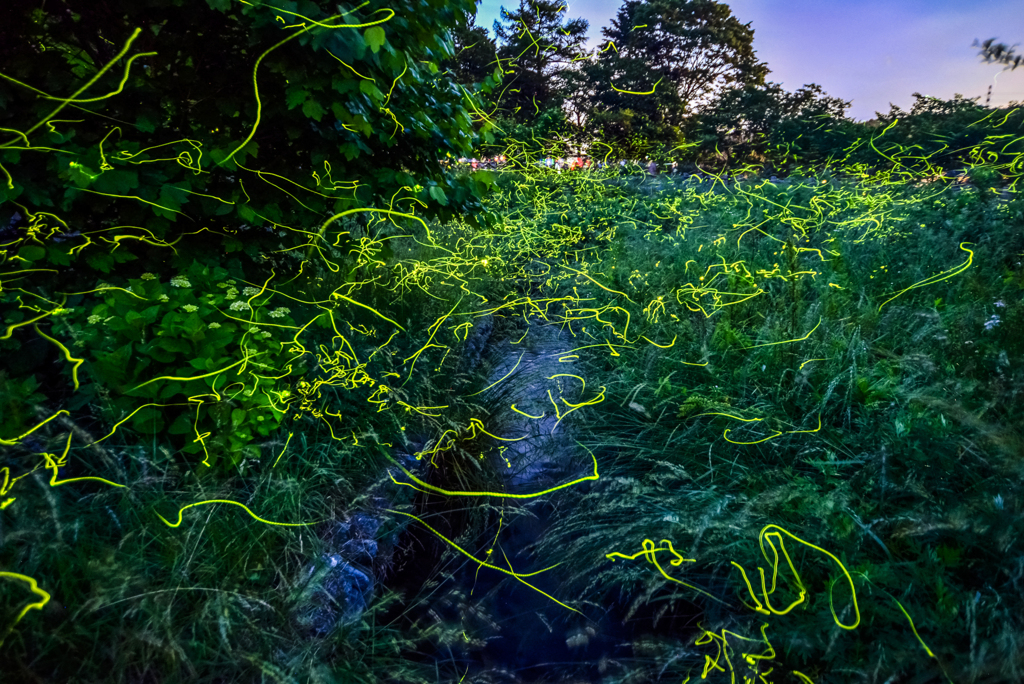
[
  {"x": 796, "y": 408},
  {"x": 808, "y": 411}
]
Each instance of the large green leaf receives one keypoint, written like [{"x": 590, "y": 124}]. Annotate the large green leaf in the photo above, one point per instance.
[
  {"x": 172, "y": 197},
  {"x": 32, "y": 252},
  {"x": 148, "y": 421},
  {"x": 147, "y": 122},
  {"x": 375, "y": 38},
  {"x": 117, "y": 181},
  {"x": 295, "y": 96},
  {"x": 438, "y": 194},
  {"x": 372, "y": 90},
  {"x": 313, "y": 110},
  {"x": 81, "y": 175}
]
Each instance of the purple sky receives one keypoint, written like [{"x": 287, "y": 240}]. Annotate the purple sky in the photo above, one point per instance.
[{"x": 872, "y": 52}]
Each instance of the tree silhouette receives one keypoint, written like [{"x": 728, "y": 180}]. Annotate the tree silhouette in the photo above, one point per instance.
[
  {"x": 538, "y": 43},
  {"x": 689, "y": 48},
  {"x": 475, "y": 53}
]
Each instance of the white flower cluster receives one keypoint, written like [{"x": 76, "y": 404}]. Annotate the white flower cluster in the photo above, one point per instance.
[
  {"x": 190, "y": 308},
  {"x": 250, "y": 291},
  {"x": 180, "y": 281},
  {"x": 213, "y": 326},
  {"x": 231, "y": 293},
  {"x": 148, "y": 276},
  {"x": 279, "y": 312},
  {"x": 163, "y": 298},
  {"x": 992, "y": 322},
  {"x": 239, "y": 306},
  {"x": 94, "y": 319}
]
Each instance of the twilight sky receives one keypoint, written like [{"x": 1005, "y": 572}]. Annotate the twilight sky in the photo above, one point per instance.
[{"x": 872, "y": 52}]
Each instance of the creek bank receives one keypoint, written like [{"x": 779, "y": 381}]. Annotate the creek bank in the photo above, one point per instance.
[
  {"x": 334, "y": 589},
  {"x": 488, "y": 625}
]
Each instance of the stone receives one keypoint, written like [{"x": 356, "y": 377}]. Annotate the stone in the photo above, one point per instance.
[
  {"x": 360, "y": 550},
  {"x": 335, "y": 592}
]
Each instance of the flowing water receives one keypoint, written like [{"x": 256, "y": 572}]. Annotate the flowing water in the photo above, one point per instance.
[
  {"x": 513, "y": 632},
  {"x": 486, "y": 625}
]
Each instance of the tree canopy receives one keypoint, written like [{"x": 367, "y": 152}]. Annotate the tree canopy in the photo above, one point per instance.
[
  {"x": 475, "y": 53},
  {"x": 661, "y": 63},
  {"x": 274, "y": 116},
  {"x": 678, "y": 51},
  {"x": 537, "y": 43},
  {"x": 156, "y": 145}
]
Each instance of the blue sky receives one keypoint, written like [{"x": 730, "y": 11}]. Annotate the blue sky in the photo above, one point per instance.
[{"x": 872, "y": 52}]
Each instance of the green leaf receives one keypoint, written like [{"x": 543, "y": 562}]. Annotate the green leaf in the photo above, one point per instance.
[
  {"x": 32, "y": 252},
  {"x": 148, "y": 421},
  {"x": 170, "y": 201},
  {"x": 182, "y": 425},
  {"x": 152, "y": 313},
  {"x": 157, "y": 353},
  {"x": 295, "y": 96},
  {"x": 251, "y": 148},
  {"x": 113, "y": 367},
  {"x": 135, "y": 319},
  {"x": 374, "y": 37},
  {"x": 146, "y": 123},
  {"x": 192, "y": 324},
  {"x": 101, "y": 262},
  {"x": 59, "y": 255},
  {"x": 81, "y": 175},
  {"x": 237, "y": 417},
  {"x": 246, "y": 212},
  {"x": 488, "y": 178},
  {"x": 313, "y": 110},
  {"x": 438, "y": 194},
  {"x": 368, "y": 88},
  {"x": 117, "y": 182},
  {"x": 173, "y": 344},
  {"x": 219, "y": 155}
]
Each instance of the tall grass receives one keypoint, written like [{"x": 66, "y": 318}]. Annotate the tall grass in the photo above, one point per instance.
[{"x": 706, "y": 434}]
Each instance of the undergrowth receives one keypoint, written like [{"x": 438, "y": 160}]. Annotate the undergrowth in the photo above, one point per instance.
[{"x": 828, "y": 365}]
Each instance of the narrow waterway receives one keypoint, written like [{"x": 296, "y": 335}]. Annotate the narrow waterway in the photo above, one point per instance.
[
  {"x": 510, "y": 632},
  {"x": 513, "y": 632}
]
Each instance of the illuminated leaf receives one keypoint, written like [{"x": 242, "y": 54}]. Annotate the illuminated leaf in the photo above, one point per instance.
[
  {"x": 295, "y": 97},
  {"x": 438, "y": 194},
  {"x": 375, "y": 38},
  {"x": 313, "y": 110},
  {"x": 370, "y": 89}
]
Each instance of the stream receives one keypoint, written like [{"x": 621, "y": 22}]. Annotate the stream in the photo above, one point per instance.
[
  {"x": 483, "y": 624},
  {"x": 511, "y": 632}
]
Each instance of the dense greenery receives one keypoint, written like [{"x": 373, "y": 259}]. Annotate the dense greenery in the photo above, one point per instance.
[
  {"x": 537, "y": 45},
  {"x": 176, "y": 191},
  {"x": 206, "y": 389}
]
